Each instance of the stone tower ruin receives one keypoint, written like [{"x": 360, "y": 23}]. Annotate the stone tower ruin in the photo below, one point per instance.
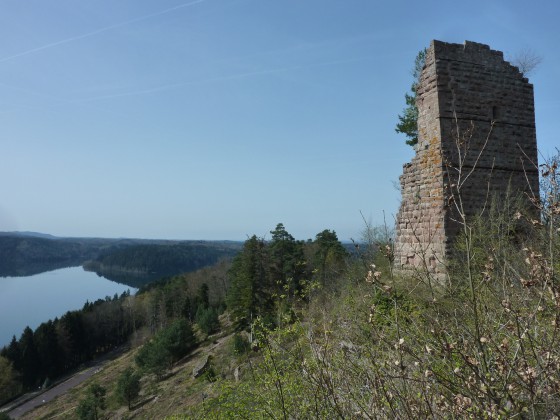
[{"x": 476, "y": 133}]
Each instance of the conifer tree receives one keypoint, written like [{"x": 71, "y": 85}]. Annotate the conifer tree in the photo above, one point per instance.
[
  {"x": 128, "y": 387},
  {"x": 287, "y": 261},
  {"x": 91, "y": 406},
  {"x": 408, "y": 121},
  {"x": 249, "y": 291},
  {"x": 330, "y": 255},
  {"x": 29, "y": 358}
]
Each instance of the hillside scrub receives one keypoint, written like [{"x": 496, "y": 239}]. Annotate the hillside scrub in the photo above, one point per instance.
[
  {"x": 367, "y": 343},
  {"x": 484, "y": 344},
  {"x": 166, "y": 347},
  {"x": 57, "y": 347}
]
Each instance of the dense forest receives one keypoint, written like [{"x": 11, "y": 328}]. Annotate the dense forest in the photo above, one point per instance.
[{"x": 159, "y": 260}]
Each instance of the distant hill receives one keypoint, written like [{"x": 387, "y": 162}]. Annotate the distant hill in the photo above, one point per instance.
[
  {"x": 28, "y": 253},
  {"x": 154, "y": 261},
  {"x": 29, "y": 234}
]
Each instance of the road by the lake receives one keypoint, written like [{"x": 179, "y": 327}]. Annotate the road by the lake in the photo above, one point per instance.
[
  {"x": 55, "y": 391},
  {"x": 76, "y": 379}
]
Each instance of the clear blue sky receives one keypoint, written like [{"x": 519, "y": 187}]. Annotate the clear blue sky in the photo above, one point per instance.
[{"x": 217, "y": 119}]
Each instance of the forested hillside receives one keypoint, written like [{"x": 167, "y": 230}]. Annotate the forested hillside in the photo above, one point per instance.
[
  {"x": 268, "y": 280},
  {"x": 153, "y": 261},
  {"x": 310, "y": 331},
  {"x": 58, "y": 346},
  {"x": 26, "y": 255}
]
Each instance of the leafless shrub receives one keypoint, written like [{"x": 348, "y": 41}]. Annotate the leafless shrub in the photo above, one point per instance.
[{"x": 526, "y": 60}]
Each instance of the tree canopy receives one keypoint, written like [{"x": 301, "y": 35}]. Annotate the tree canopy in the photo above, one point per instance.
[{"x": 267, "y": 277}]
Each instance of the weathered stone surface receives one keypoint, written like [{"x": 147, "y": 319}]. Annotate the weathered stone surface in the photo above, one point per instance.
[
  {"x": 202, "y": 367},
  {"x": 476, "y": 128}
]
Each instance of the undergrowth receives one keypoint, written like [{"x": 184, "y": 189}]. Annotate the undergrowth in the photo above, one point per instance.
[{"x": 484, "y": 344}]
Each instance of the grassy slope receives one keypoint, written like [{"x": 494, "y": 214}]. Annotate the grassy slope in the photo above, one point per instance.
[{"x": 158, "y": 399}]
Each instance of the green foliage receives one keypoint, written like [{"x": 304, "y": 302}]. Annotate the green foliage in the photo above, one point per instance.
[
  {"x": 128, "y": 387},
  {"x": 483, "y": 344},
  {"x": 165, "y": 260},
  {"x": 240, "y": 344},
  {"x": 203, "y": 298},
  {"x": 269, "y": 279},
  {"x": 154, "y": 358},
  {"x": 329, "y": 257},
  {"x": 48, "y": 349},
  {"x": 178, "y": 338},
  {"x": 207, "y": 319},
  {"x": 209, "y": 374},
  {"x": 248, "y": 295},
  {"x": 58, "y": 346},
  {"x": 9, "y": 385},
  {"x": 91, "y": 406},
  {"x": 387, "y": 307},
  {"x": 29, "y": 359},
  {"x": 288, "y": 267},
  {"x": 25, "y": 255},
  {"x": 408, "y": 121},
  {"x": 167, "y": 346}
]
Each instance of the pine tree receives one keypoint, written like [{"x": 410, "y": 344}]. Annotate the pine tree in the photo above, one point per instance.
[
  {"x": 287, "y": 261},
  {"x": 330, "y": 255},
  {"x": 90, "y": 407},
  {"x": 249, "y": 293},
  {"x": 408, "y": 121},
  {"x": 29, "y": 359},
  {"x": 46, "y": 342},
  {"x": 128, "y": 387}
]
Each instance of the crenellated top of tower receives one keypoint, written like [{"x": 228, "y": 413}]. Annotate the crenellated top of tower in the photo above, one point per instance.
[
  {"x": 476, "y": 53},
  {"x": 474, "y": 83}
]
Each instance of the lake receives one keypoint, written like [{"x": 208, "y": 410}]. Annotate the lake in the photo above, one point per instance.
[{"x": 29, "y": 301}]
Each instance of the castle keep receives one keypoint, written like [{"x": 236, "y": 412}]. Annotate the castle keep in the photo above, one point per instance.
[{"x": 477, "y": 138}]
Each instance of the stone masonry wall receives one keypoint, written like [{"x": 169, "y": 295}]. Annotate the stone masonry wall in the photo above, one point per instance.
[{"x": 477, "y": 131}]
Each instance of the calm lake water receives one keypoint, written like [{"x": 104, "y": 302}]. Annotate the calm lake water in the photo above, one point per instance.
[{"x": 29, "y": 301}]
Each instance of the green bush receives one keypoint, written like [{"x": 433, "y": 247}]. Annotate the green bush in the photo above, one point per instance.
[
  {"x": 128, "y": 387},
  {"x": 240, "y": 344},
  {"x": 91, "y": 406},
  {"x": 167, "y": 346},
  {"x": 207, "y": 319}
]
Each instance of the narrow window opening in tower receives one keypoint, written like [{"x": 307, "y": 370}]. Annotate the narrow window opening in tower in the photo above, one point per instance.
[{"x": 495, "y": 113}]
